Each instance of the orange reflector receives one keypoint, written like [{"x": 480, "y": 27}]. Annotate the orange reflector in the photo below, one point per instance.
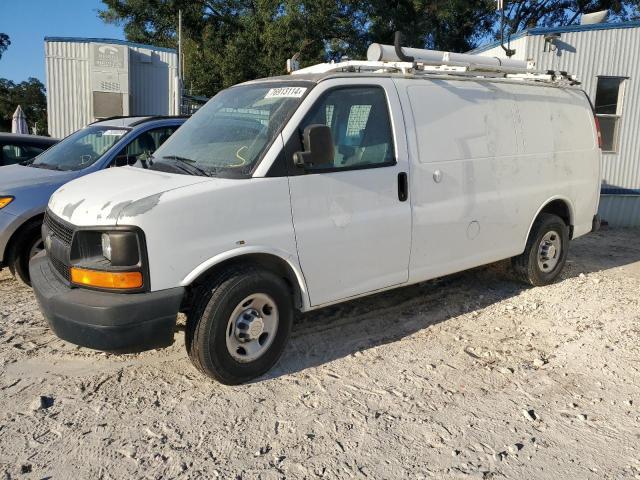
[{"x": 115, "y": 280}]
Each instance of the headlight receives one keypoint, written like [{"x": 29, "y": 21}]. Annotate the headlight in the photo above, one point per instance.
[
  {"x": 4, "y": 201},
  {"x": 111, "y": 260}
]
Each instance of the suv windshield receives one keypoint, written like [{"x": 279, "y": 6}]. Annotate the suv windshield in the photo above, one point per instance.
[
  {"x": 229, "y": 135},
  {"x": 80, "y": 149}
]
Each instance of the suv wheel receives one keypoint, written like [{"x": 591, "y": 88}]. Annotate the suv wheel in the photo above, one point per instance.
[
  {"x": 26, "y": 246},
  {"x": 239, "y": 325}
]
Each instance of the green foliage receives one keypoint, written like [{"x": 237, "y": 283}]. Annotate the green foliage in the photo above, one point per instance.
[
  {"x": 533, "y": 13},
  {"x": 30, "y": 95},
  {"x": 229, "y": 41},
  {"x": 4, "y": 43}
]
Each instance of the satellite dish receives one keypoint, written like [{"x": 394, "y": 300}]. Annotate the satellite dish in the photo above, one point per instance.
[{"x": 595, "y": 17}]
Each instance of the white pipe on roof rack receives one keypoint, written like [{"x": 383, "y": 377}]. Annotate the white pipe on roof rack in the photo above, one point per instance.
[{"x": 387, "y": 53}]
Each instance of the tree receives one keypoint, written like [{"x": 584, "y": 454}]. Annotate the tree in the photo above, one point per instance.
[
  {"x": 31, "y": 96},
  {"x": 522, "y": 14},
  {"x": 228, "y": 41},
  {"x": 438, "y": 24},
  {"x": 4, "y": 43}
]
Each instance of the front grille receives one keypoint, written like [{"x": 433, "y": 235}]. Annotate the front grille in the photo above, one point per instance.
[
  {"x": 57, "y": 228},
  {"x": 61, "y": 268},
  {"x": 59, "y": 246}
]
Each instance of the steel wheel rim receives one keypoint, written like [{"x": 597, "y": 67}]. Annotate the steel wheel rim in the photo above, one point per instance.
[
  {"x": 549, "y": 251},
  {"x": 252, "y": 327}
]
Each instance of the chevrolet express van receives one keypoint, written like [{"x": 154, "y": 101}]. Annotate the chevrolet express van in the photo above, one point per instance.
[{"x": 298, "y": 192}]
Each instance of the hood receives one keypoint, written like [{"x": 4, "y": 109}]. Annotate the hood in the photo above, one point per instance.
[
  {"x": 100, "y": 198},
  {"x": 15, "y": 177}
]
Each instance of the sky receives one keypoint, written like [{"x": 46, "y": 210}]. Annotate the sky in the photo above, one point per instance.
[{"x": 27, "y": 22}]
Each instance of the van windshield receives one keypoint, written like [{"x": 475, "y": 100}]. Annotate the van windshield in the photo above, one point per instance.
[
  {"x": 229, "y": 135},
  {"x": 80, "y": 149}
]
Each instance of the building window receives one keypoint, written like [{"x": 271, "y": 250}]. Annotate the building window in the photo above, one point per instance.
[{"x": 609, "y": 95}]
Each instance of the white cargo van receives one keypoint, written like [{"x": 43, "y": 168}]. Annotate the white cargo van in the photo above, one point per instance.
[{"x": 297, "y": 192}]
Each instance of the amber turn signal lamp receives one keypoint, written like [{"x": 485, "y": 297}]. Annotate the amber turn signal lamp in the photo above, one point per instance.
[
  {"x": 113, "y": 280},
  {"x": 4, "y": 201}
]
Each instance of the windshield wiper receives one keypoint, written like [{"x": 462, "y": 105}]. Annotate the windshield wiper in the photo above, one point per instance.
[
  {"x": 191, "y": 165},
  {"x": 45, "y": 166}
]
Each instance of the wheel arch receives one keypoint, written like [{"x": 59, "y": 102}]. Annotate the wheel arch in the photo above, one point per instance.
[
  {"x": 560, "y": 206},
  {"x": 272, "y": 260}
]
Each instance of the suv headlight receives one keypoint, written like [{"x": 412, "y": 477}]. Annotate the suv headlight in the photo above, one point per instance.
[{"x": 112, "y": 260}]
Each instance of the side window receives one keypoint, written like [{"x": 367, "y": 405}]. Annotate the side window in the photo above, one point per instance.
[
  {"x": 360, "y": 127},
  {"x": 141, "y": 147},
  {"x": 609, "y": 96},
  {"x": 12, "y": 154}
]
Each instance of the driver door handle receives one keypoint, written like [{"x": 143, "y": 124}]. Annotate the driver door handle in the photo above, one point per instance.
[{"x": 403, "y": 187}]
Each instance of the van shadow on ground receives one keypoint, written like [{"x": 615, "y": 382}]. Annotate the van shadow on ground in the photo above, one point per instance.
[{"x": 331, "y": 333}]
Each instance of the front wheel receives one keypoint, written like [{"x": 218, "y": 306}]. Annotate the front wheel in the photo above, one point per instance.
[
  {"x": 546, "y": 251},
  {"x": 239, "y": 325},
  {"x": 28, "y": 245}
]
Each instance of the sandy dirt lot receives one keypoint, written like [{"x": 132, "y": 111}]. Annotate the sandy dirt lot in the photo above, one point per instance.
[{"x": 471, "y": 376}]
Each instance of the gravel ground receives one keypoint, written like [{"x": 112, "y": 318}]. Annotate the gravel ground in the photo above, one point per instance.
[{"x": 470, "y": 376}]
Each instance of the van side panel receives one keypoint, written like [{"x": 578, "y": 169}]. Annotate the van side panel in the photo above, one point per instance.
[
  {"x": 485, "y": 158},
  {"x": 559, "y": 136},
  {"x": 575, "y": 137}
]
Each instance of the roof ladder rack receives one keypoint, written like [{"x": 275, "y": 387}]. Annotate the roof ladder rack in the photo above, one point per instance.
[{"x": 415, "y": 61}]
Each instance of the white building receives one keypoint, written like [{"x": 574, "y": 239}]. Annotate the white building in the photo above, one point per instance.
[
  {"x": 605, "y": 58},
  {"x": 93, "y": 78}
]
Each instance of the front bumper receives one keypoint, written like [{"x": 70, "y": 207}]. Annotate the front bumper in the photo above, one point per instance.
[{"x": 113, "y": 322}]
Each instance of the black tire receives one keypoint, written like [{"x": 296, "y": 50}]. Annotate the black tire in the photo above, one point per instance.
[
  {"x": 22, "y": 249},
  {"x": 209, "y": 319},
  {"x": 526, "y": 267}
]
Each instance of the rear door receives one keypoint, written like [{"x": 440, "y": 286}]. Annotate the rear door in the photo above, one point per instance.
[{"x": 352, "y": 218}]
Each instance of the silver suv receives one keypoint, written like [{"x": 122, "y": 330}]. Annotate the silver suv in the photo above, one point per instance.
[{"x": 25, "y": 189}]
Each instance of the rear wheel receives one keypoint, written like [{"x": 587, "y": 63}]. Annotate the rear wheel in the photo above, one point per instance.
[
  {"x": 239, "y": 325},
  {"x": 27, "y": 245},
  {"x": 546, "y": 251}
]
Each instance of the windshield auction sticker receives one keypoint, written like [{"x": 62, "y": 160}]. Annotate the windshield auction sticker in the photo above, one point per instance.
[
  {"x": 286, "y": 92},
  {"x": 115, "y": 133}
]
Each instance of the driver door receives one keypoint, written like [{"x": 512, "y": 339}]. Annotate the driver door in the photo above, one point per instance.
[{"x": 352, "y": 218}]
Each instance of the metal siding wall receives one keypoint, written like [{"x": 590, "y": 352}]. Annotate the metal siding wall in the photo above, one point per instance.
[
  {"x": 152, "y": 85},
  {"x": 519, "y": 45},
  {"x": 620, "y": 210},
  {"x": 68, "y": 87}
]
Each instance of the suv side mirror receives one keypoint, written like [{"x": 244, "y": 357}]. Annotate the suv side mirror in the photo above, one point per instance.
[{"x": 318, "y": 146}]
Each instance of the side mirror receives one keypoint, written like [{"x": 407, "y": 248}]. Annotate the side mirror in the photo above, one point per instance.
[{"x": 318, "y": 146}]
